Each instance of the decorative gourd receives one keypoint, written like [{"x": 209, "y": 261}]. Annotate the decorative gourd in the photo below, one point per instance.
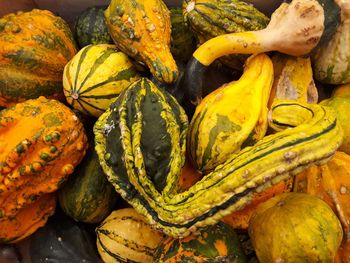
[
  {"x": 27, "y": 220},
  {"x": 293, "y": 79},
  {"x": 331, "y": 183},
  {"x": 87, "y": 196},
  {"x": 231, "y": 117},
  {"x": 142, "y": 29},
  {"x": 295, "y": 29},
  {"x": 124, "y": 236},
  {"x": 91, "y": 27},
  {"x": 95, "y": 77},
  {"x": 341, "y": 106},
  {"x": 61, "y": 241},
  {"x": 218, "y": 243},
  {"x": 140, "y": 142},
  {"x": 41, "y": 142},
  {"x": 34, "y": 48},
  {"x": 295, "y": 227},
  {"x": 183, "y": 42},
  {"x": 332, "y": 61},
  {"x": 341, "y": 91},
  {"x": 212, "y": 18}
]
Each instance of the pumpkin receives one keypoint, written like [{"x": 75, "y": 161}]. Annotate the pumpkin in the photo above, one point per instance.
[
  {"x": 87, "y": 196},
  {"x": 95, "y": 77},
  {"x": 331, "y": 62},
  {"x": 231, "y": 117},
  {"x": 142, "y": 30},
  {"x": 27, "y": 220},
  {"x": 282, "y": 34},
  {"x": 41, "y": 142},
  {"x": 91, "y": 27},
  {"x": 217, "y": 243},
  {"x": 341, "y": 106},
  {"x": 212, "y": 18},
  {"x": 295, "y": 227},
  {"x": 141, "y": 138},
  {"x": 330, "y": 182},
  {"x": 124, "y": 236},
  {"x": 183, "y": 42},
  {"x": 62, "y": 240},
  {"x": 34, "y": 48}
]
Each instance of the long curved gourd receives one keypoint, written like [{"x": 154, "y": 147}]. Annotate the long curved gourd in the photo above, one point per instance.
[
  {"x": 304, "y": 23},
  {"x": 122, "y": 145}
]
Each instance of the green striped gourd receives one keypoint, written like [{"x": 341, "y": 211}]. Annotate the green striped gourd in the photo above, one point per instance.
[
  {"x": 91, "y": 28},
  {"x": 34, "y": 48},
  {"x": 124, "y": 236},
  {"x": 231, "y": 117},
  {"x": 95, "y": 77},
  {"x": 133, "y": 156},
  {"x": 87, "y": 196},
  {"x": 331, "y": 63},
  {"x": 211, "y": 18},
  {"x": 218, "y": 243}
]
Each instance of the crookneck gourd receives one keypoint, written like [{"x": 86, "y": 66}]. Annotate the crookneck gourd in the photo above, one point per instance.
[
  {"x": 141, "y": 142},
  {"x": 142, "y": 30},
  {"x": 41, "y": 142},
  {"x": 295, "y": 29},
  {"x": 34, "y": 48},
  {"x": 231, "y": 117}
]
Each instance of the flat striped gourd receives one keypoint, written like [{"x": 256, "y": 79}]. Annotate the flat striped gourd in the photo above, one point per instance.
[
  {"x": 95, "y": 77},
  {"x": 124, "y": 236},
  {"x": 91, "y": 27},
  {"x": 141, "y": 138},
  {"x": 34, "y": 48}
]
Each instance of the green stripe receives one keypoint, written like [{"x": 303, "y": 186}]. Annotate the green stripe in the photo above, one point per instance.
[
  {"x": 110, "y": 96},
  {"x": 81, "y": 59},
  {"x": 91, "y": 105},
  {"x": 98, "y": 62}
]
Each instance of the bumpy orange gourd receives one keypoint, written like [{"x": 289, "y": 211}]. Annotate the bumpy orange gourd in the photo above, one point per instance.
[
  {"x": 28, "y": 220},
  {"x": 41, "y": 141},
  {"x": 331, "y": 182},
  {"x": 34, "y": 48}
]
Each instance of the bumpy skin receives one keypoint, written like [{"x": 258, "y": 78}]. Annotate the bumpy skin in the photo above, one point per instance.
[
  {"x": 34, "y": 48},
  {"x": 142, "y": 30},
  {"x": 41, "y": 142},
  {"x": 132, "y": 162},
  {"x": 28, "y": 220}
]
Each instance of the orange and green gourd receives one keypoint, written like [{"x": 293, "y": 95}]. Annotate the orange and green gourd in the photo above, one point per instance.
[
  {"x": 41, "y": 142},
  {"x": 142, "y": 30},
  {"x": 34, "y": 48}
]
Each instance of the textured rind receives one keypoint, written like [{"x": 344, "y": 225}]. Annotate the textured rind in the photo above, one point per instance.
[
  {"x": 32, "y": 57},
  {"x": 41, "y": 142},
  {"x": 96, "y": 76},
  {"x": 312, "y": 138},
  {"x": 142, "y": 30}
]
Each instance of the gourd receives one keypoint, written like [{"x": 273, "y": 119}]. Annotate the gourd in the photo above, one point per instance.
[
  {"x": 295, "y": 227},
  {"x": 316, "y": 23},
  {"x": 217, "y": 243},
  {"x": 91, "y": 27},
  {"x": 41, "y": 142},
  {"x": 95, "y": 77},
  {"x": 331, "y": 62},
  {"x": 340, "y": 103},
  {"x": 146, "y": 172},
  {"x": 231, "y": 117},
  {"x": 124, "y": 236},
  {"x": 142, "y": 29},
  {"x": 34, "y": 48},
  {"x": 62, "y": 240},
  {"x": 183, "y": 42},
  {"x": 212, "y": 18},
  {"x": 27, "y": 220},
  {"x": 330, "y": 182}
]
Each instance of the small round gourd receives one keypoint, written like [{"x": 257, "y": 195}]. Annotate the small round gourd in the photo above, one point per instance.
[{"x": 295, "y": 227}]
